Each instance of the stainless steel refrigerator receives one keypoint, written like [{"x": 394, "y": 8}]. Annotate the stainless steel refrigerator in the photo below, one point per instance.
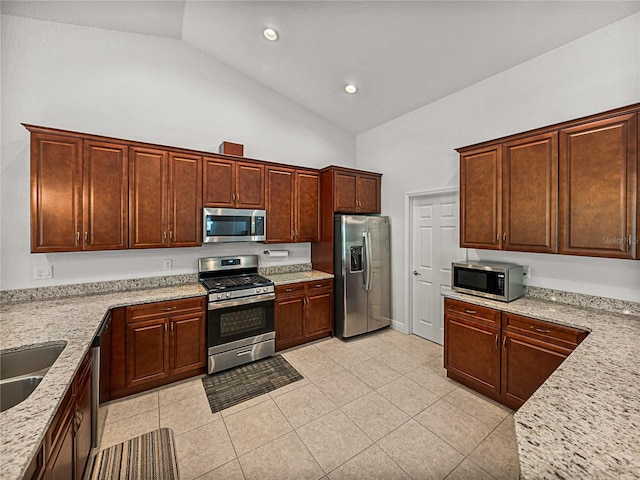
[{"x": 362, "y": 274}]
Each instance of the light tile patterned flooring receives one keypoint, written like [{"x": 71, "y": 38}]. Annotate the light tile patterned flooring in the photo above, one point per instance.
[{"x": 376, "y": 407}]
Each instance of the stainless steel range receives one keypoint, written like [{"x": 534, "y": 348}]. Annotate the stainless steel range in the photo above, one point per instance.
[{"x": 240, "y": 322}]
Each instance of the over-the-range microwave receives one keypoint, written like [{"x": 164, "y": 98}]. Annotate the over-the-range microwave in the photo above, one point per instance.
[
  {"x": 233, "y": 225},
  {"x": 498, "y": 281}
]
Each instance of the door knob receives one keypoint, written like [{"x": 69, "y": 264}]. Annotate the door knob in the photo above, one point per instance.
[{"x": 415, "y": 272}]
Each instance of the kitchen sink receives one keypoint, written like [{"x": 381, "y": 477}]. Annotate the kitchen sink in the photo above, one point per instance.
[
  {"x": 31, "y": 361},
  {"x": 14, "y": 391},
  {"x": 22, "y": 371}
]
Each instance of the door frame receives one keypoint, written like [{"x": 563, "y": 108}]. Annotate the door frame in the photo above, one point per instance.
[{"x": 409, "y": 198}]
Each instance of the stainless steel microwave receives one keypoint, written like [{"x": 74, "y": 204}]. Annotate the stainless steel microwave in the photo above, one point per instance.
[
  {"x": 498, "y": 281},
  {"x": 233, "y": 225}
]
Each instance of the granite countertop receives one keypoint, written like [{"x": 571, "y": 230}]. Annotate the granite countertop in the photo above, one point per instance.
[
  {"x": 584, "y": 421},
  {"x": 295, "y": 277},
  {"x": 74, "y": 320}
]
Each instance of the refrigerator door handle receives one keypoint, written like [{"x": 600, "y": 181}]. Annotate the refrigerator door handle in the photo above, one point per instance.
[{"x": 367, "y": 260}]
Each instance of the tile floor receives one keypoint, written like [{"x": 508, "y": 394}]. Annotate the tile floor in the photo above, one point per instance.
[{"x": 376, "y": 407}]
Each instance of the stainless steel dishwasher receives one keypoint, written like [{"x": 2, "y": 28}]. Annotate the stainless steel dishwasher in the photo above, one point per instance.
[{"x": 96, "y": 424}]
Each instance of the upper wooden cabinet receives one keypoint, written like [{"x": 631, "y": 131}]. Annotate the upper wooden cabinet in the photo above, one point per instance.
[
  {"x": 293, "y": 205},
  {"x": 509, "y": 194},
  {"x": 355, "y": 191},
  {"x": 570, "y": 188},
  {"x": 481, "y": 198},
  {"x": 233, "y": 183},
  {"x": 78, "y": 193},
  {"x": 598, "y": 175},
  {"x": 165, "y": 208}
]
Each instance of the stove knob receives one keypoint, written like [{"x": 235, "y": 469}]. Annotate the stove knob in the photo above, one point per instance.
[
  {"x": 258, "y": 290},
  {"x": 228, "y": 295},
  {"x": 220, "y": 296}
]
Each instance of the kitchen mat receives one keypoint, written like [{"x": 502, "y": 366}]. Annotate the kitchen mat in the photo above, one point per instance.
[
  {"x": 230, "y": 387},
  {"x": 149, "y": 456}
]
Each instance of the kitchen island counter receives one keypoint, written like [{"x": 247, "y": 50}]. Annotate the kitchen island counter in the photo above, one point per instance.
[
  {"x": 584, "y": 421},
  {"x": 74, "y": 320}
]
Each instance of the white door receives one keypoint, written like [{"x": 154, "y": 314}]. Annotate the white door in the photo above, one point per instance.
[{"x": 434, "y": 245}]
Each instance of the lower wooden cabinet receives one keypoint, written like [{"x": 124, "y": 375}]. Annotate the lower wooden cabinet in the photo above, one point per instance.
[
  {"x": 501, "y": 355},
  {"x": 155, "y": 344},
  {"x": 65, "y": 451},
  {"x": 303, "y": 312}
]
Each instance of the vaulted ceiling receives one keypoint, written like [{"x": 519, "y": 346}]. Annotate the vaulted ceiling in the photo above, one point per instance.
[{"x": 401, "y": 55}]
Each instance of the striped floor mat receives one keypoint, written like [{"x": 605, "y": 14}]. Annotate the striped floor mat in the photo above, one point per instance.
[{"x": 151, "y": 456}]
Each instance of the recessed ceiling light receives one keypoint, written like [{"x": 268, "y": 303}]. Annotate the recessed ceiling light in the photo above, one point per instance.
[
  {"x": 350, "y": 88},
  {"x": 270, "y": 34}
]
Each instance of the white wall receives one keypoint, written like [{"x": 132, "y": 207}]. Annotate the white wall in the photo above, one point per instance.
[
  {"x": 144, "y": 88},
  {"x": 415, "y": 152}
]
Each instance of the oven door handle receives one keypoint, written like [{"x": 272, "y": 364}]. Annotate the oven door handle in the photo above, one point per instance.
[{"x": 240, "y": 301}]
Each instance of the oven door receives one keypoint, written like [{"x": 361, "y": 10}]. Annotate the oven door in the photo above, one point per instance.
[{"x": 232, "y": 320}]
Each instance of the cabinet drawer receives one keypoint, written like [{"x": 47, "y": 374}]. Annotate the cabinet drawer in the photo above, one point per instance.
[
  {"x": 319, "y": 284},
  {"x": 139, "y": 313},
  {"x": 476, "y": 313},
  {"x": 290, "y": 289},
  {"x": 544, "y": 331}
]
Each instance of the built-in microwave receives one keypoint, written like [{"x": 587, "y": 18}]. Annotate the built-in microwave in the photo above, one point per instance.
[
  {"x": 498, "y": 281},
  {"x": 233, "y": 225}
]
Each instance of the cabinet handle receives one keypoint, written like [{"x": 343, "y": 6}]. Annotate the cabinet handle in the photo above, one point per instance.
[
  {"x": 86, "y": 237},
  {"x": 238, "y": 198},
  {"x": 172, "y": 325},
  {"x": 170, "y": 234},
  {"x": 77, "y": 238},
  {"x": 629, "y": 242},
  {"x": 498, "y": 237},
  {"x": 318, "y": 285},
  {"x": 504, "y": 236},
  {"x": 233, "y": 197},
  {"x": 164, "y": 235},
  {"x": 289, "y": 289},
  {"x": 496, "y": 341},
  {"x": 540, "y": 330},
  {"x": 168, "y": 309},
  {"x": 165, "y": 327},
  {"x": 504, "y": 343},
  {"x": 469, "y": 311}
]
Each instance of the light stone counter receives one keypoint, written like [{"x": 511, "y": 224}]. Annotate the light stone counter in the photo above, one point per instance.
[
  {"x": 584, "y": 421},
  {"x": 74, "y": 320},
  {"x": 295, "y": 277}
]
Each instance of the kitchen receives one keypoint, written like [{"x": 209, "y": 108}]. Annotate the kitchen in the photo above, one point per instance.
[{"x": 152, "y": 75}]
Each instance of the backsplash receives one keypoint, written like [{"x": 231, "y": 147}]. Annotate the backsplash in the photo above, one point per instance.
[
  {"x": 581, "y": 300},
  {"x": 277, "y": 269},
  {"x": 59, "y": 291}
]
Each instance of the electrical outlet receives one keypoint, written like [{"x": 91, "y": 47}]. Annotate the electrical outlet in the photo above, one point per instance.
[
  {"x": 40, "y": 273},
  {"x": 167, "y": 264}
]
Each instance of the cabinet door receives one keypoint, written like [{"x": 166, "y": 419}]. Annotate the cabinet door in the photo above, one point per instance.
[
  {"x": 530, "y": 194},
  {"x": 280, "y": 205},
  {"x": 289, "y": 321},
  {"x": 526, "y": 364},
  {"x": 147, "y": 351},
  {"x": 185, "y": 200},
  {"x": 249, "y": 185},
  {"x": 219, "y": 182},
  {"x": 308, "y": 206},
  {"x": 147, "y": 198},
  {"x": 56, "y": 193},
  {"x": 369, "y": 194},
  {"x": 319, "y": 312},
  {"x": 61, "y": 464},
  {"x": 345, "y": 192},
  {"x": 598, "y": 174},
  {"x": 481, "y": 199},
  {"x": 187, "y": 342},
  {"x": 83, "y": 423},
  {"x": 472, "y": 353},
  {"x": 106, "y": 192}
]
